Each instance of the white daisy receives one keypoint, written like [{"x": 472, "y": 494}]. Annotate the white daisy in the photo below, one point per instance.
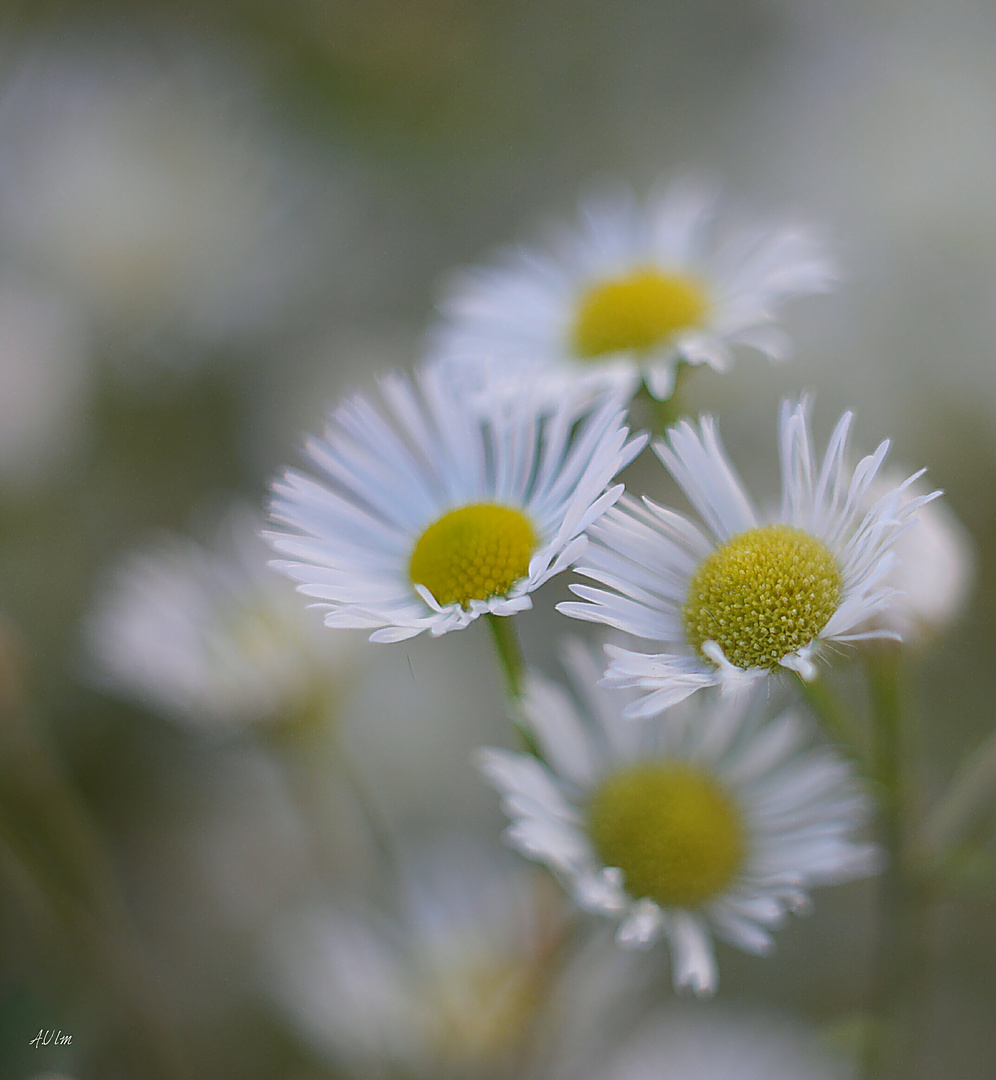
[
  {"x": 433, "y": 515},
  {"x": 447, "y": 986},
  {"x": 751, "y": 593},
  {"x": 632, "y": 290},
  {"x": 145, "y": 185},
  {"x": 703, "y": 821},
  {"x": 212, "y": 636}
]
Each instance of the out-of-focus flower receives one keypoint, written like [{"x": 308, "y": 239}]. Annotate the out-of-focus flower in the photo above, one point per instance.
[
  {"x": 749, "y": 598},
  {"x": 214, "y": 637},
  {"x": 148, "y": 191},
  {"x": 692, "y": 1042},
  {"x": 449, "y": 986},
  {"x": 44, "y": 362},
  {"x": 934, "y": 569},
  {"x": 438, "y": 515},
  {"x": 704, "y": 820},
  {"x": 632, "y": 291}
]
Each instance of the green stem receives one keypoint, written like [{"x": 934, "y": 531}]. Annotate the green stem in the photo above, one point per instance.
[
  {"x": 963, "y": 819},
  {"x": 899, "y": 897},
  {"x": 513, "y": 666},
  {"x": 509, "y": 649},
  {"x": 301, "y": 739},
  {"x": 376, "y": 822},
  {"x": 884, "y": 667},
  {"x": 836, "y": 718},
  {"x": 671, "y": 410}
]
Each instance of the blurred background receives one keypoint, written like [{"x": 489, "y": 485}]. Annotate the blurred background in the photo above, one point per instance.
[{"x": 217, "y": 217}]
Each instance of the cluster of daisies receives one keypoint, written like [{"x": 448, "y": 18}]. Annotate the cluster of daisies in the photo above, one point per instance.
[{"x": 661, "y": 786}]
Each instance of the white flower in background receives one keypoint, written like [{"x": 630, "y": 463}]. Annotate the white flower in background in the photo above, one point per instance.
[
  {"x": 688, "y": 1041},
  {"x": 449, "y": 986},
  {"x": 146, "y": 189},
  {"x": 753, "y": 593},
  {"x": 213, "y": 637},
  {"x": 702, "y": 821},
  {"x": 434, "y": 515},
  {"x": 630, "y": 292},
  {"x": 44, "y": 367},
  {"x": 933, "y": 572}
]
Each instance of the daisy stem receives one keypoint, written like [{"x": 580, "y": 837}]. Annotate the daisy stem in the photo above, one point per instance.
[
  {"x": 960, "y": 822},
  {"x": 898, "y": 894},
  {"x": 836, "y": 718},
  {"x": 513, "y": 666},
  {"x": 509, "y": 650},
  {"x": 671, "y": 410},
  {"x": 302, "y": 736},
  {"x": 375, "y": 820}
]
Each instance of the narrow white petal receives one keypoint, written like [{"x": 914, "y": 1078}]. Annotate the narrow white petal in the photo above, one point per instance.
[
  {"x": 642, "y": 926},
  {"x": 693, "y": 960}
]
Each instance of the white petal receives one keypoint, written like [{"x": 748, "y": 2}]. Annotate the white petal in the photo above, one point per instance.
[{"x": 693, "y": 959}]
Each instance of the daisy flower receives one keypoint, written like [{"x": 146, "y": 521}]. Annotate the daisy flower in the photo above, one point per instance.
[
  {"x": 432, "y": 515},
  {"x": 146, "y": 185},
  {"x": 212, "y": 636},
  {"x": 703, "y": 821},
  {"x": 749, "y": 593},
  {"x": 633, "y": 290},
  {"x": 446, "y": 985}
]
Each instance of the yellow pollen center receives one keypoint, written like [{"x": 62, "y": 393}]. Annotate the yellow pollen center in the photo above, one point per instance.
[
  {"x": 636, "y": 311},
  {"x": 671, "y": 828},
  {"x": 473, "y": 553},
  {"x": 764, "y": 594}
]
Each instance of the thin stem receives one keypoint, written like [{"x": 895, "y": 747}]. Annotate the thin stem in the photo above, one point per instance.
[
  {"x": 836, "y": 718},
  {"x": 962, "y": 819},
  {"x": 899, "y": 899},
  {"x": 300, "y": 739},
  {"x": 373, "y": 817},
  {"x": 671, "y": 410},
  {"x": 509, "y": 649},
  {"x": 884, "y": 669},
  {"x": 513, "y": 666}
]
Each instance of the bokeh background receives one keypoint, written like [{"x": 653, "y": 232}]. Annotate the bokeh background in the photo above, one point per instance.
[{"x": 215, "y": 218}]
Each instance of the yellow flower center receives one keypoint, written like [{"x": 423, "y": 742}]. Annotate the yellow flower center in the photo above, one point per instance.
[
  {"x": 761, "y": 596},
  {"x": 473, "y": 553},
  {"x": 674, "y": 832},
  {"x": 636, "y": 311}
]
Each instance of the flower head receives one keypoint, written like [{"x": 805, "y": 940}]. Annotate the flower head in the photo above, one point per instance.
[
  {"x": 705, "y": 820},
  {"x": 434, "y": 515},
  {"x": 749, "y": 594},
  {"x": 632, "y": 291},
  {"x": 446, "y": 986},
  {"x": 212, "y": 636},
  {"x": 145, "y": 186}
]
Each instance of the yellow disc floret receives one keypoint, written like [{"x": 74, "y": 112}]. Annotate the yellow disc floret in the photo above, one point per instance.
[
  {"x": 764, "y": 594},
  {"x": 473, "y": 553},
  {"x": 637, "y": 311},
  {"x": 671, "y": 828}
]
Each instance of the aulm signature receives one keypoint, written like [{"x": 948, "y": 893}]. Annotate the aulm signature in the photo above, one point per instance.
[{"x": 48, "y": 1037}]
